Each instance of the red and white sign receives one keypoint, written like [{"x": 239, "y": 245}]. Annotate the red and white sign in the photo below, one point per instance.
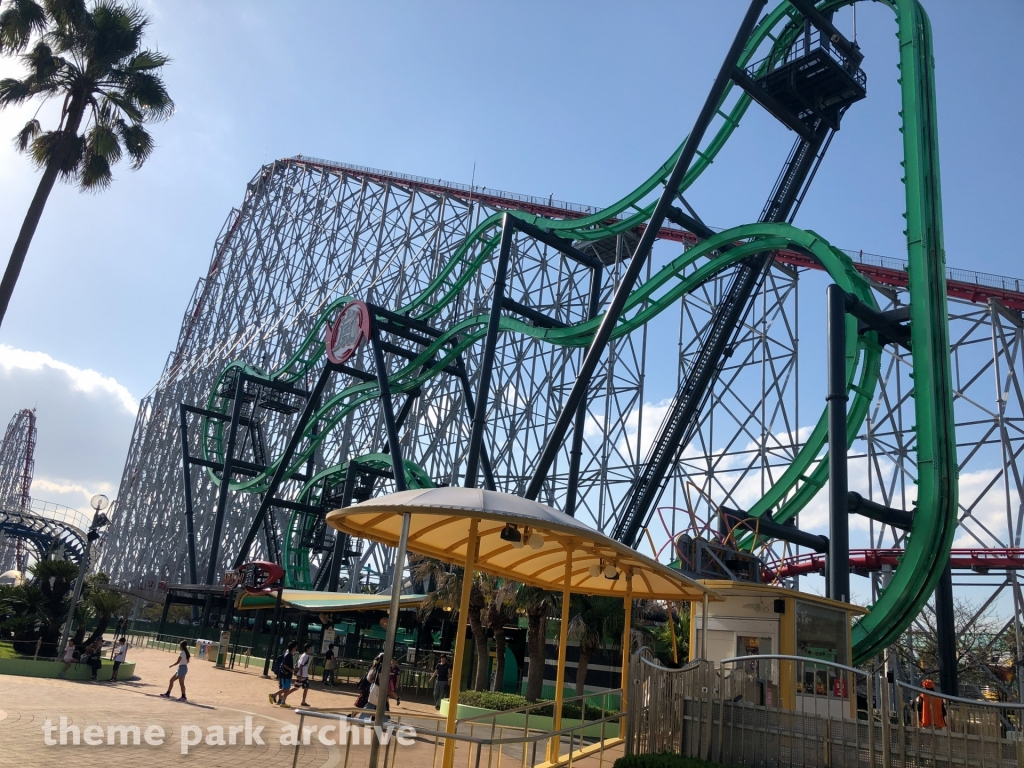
[
  {"x": 347, "y": 332},
  {"x": 839, "y": 688}
]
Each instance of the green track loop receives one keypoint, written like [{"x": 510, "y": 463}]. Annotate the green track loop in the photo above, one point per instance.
[{"x": 928, "y": 544}]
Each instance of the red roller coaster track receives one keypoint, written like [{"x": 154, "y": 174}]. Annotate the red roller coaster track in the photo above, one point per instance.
[{"x": 867, "y": 560}]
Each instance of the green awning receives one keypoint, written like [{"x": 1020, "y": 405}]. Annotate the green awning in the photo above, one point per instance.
[{"x": 324, "y": 602}]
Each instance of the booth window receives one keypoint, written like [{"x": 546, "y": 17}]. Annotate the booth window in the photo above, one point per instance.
[{"x": 821, "y": 634}]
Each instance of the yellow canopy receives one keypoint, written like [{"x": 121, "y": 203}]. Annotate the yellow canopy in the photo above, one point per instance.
[{"x": 439, "y": 528}]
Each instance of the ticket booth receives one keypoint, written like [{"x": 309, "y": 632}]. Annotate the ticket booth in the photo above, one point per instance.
[{"x": 761, "y": 620}]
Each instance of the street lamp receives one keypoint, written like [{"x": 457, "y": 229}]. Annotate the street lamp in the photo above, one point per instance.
[{"x": 99, "y": 502}]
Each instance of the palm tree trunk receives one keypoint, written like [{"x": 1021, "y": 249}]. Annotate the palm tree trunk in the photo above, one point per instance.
[
  {"x": 499, "y": 658},
  {"x": 28, "y": 229},
  {"x": 76, "y": 109},
  {"x": 480, "y": 639},
  {"x": 536, "y": 631},
  {"x": 581, "y": 671}
]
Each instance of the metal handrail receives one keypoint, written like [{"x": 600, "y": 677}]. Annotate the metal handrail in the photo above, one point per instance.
[
  {"x": 820, "y": 663},
  {"x": 545, "y": 736}
]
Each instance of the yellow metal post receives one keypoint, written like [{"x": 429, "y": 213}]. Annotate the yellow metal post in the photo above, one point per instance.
[
  {"x": 625, "y": 648},
  {"x": 563, "y": 643},
  {"x": 460, "y": 644}
]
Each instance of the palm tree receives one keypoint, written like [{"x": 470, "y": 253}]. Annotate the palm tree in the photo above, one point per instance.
[
  {"x": 595, "y": 619},
  {"x": 38, "y": 608},
  {"x": 484, "y": 591},
  {"x": 104, "y": 605},
  {"x": 499, "y": 599},
  {"x": 91, "y": 59},
  {"x": 538, "y": 604}
]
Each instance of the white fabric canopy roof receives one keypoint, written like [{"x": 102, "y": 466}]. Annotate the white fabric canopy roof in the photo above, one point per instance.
[{"x": 439, "y": 528}]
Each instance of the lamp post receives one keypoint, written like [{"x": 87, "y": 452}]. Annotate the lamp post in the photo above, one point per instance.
[{"x": 99, "y": 502}]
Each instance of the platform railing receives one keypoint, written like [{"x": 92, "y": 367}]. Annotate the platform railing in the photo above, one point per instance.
[
  {"x": 476, "y": 744},
  {"x": 792, "y": 710}
]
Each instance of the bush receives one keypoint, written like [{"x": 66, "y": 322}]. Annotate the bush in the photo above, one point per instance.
[
  {"x": 502, "y": 702},
  {"x": 662, "y": 760}
]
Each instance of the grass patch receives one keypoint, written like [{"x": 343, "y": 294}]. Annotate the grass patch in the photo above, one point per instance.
[
  {"x": 662, "y": 760},
  {"x": 502, "y": 702},
  {"x": 7, "y": 651}
]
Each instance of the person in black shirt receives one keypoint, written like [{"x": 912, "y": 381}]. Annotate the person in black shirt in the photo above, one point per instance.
[
  {"x": 284, "y": 676},
  {"x": 440, "y": 676}
]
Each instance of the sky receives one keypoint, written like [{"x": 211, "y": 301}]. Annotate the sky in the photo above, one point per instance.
[{"x": 580, "y": 100}]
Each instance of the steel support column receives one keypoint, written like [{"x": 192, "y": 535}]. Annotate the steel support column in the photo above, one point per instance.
[
  {"x": 945, "y": 633},
  {"x": 282, "y": 467},
  {"x": 576, "y": 449},
  {"x": 476, "y": 436},
  {"x": 396, "y": 579},
  {"x": 225, "y": 479},
  {"x": 838, "y": 578},
  {"x": 611, "y": 318}
]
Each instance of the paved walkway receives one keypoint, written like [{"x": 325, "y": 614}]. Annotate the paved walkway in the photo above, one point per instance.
[
  {"x": 219, "y": 701},
  {"x": 222, "y": 724}
]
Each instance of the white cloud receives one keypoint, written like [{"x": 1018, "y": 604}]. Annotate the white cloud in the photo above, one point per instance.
[
  {"x": 84, "y": 421},
  {"x": 84, "y": 379},
  {"x": 988, "y": 502}
]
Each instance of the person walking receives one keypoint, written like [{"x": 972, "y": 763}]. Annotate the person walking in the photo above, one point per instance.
[
  {"x": 184, "y": 657},
  {"x": 120, "y": 652},
  {"x": 393, "y": 681},
  {"x": 440, "y": 677},
  {"x": 330, "y": 664},
  {"x": 71, "y": 656},
  {"x": 373, "y": 680},
  {"x": 302, "y": 667},
  {"x": 284, "y": 668},
  {"x": 931, "y": 710}
]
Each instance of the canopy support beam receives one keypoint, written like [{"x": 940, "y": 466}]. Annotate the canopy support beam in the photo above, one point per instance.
[
  {"x": 627, "y": 629},
  {"x": 563, "y": 643},
  {"x": 448, "y": 757}
]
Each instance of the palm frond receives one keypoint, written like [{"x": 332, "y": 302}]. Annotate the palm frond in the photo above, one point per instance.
[
  {"x": 147, "y": 60},
  {"x": 63, "y": 149},
  {"x": 25, "y": 136},
  {"x": 148, "y": 92},
  {"x": 67, "y": 13},
  {"x": 117, "y": 31},
  {"x": 137, "y": 142},
  {"x": 14, "y": 92},
  {"x": 42, "y": 65},
  {"x": 102, "y": 140},
  {"x": 19, "y": 21}
]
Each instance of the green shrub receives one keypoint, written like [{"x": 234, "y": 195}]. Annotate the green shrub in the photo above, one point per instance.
[
  {"x": 662, "y": 760},
  {"x": 502, "y": 702}
]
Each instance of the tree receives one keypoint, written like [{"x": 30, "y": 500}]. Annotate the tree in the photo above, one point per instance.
[
  {"x": 538, "y": 604},
  {"x": 486, "y": 591},
  {"x": 103, "y": 604},
  {"x": 985, "y": 649},
  {"x": 596, "y": 618},
  {"x": 37, "y": 610},
  {"x": 91, "y": 59},
  {"x": 661, "y": 635},
  {"x": 499, "y": 600}
]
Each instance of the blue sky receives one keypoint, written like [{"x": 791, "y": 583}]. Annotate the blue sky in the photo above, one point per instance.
[{"x": 579, "y": 100}]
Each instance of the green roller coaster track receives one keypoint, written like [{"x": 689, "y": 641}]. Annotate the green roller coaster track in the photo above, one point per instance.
[{"x": 928, "y": 543}]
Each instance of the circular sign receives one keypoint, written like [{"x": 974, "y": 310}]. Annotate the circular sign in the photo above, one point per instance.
[{"x": 347, "y": 332}]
